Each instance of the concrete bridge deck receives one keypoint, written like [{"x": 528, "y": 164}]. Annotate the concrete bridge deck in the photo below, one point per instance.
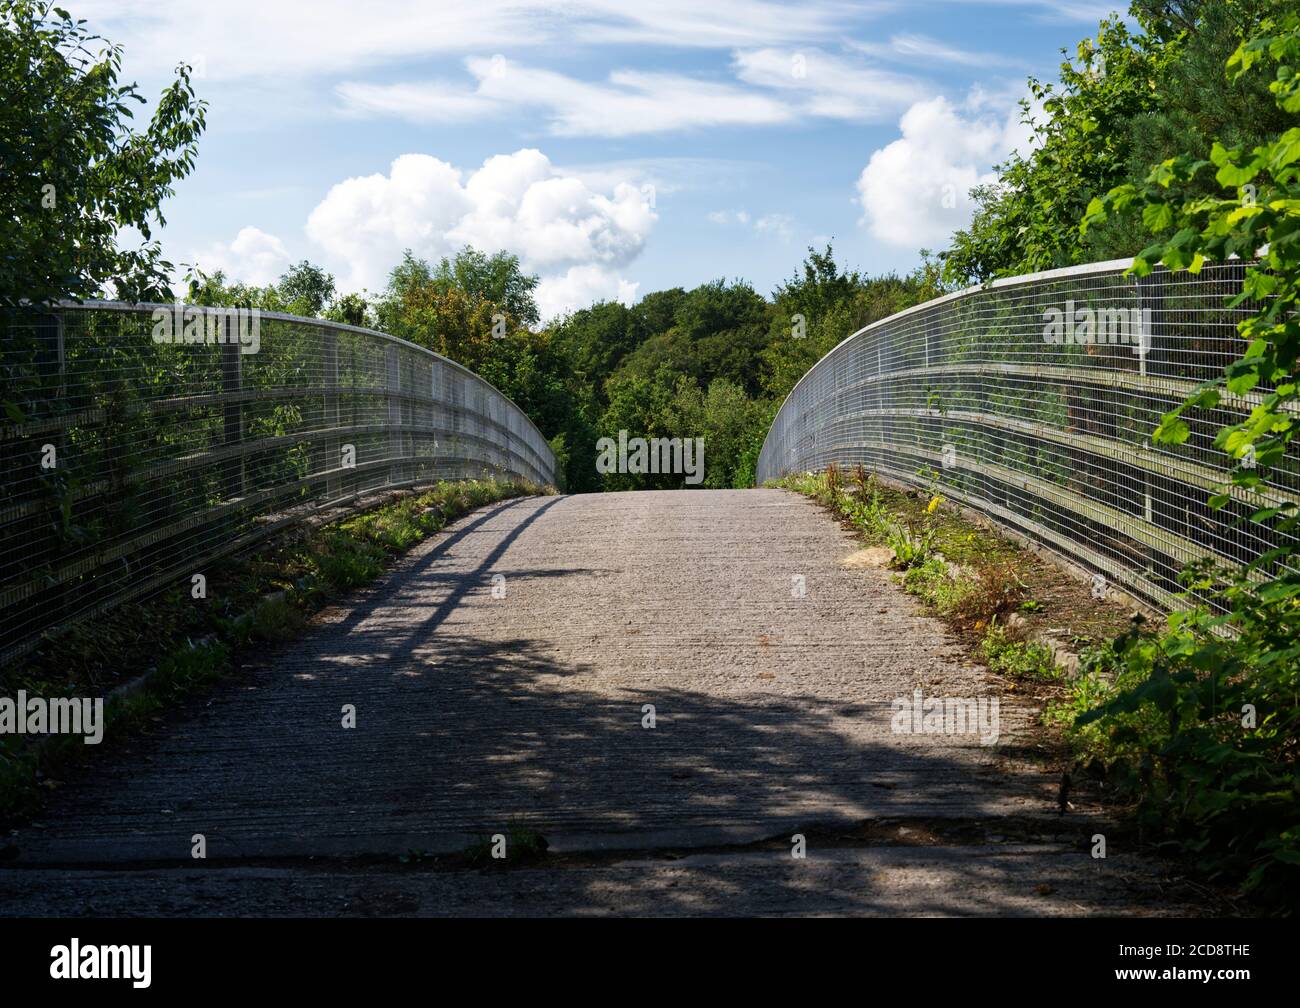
[{"x": 478, "y": 714}]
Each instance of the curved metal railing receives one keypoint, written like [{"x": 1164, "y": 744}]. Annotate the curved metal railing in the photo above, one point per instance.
[
  {"x": 1033, "y": 400},
  {"x": 142, "y": 441}
]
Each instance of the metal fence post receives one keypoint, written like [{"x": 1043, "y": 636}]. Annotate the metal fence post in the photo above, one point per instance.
[
  {"x": 330, "y": 411},
  {"x": 232, "y": 411},
  {"x": 393, "y": 385}
]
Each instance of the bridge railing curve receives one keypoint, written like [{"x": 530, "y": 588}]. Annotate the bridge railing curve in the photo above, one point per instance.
[
  {"x": 1033, "y": 400},
  {"x": 139, "y": 442}
]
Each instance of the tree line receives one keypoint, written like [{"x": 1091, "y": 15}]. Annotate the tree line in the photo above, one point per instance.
[{"x": 711, "y": 362}]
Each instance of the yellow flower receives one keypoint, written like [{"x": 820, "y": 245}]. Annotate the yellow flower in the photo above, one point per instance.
[{"x": 935, "y": 501}]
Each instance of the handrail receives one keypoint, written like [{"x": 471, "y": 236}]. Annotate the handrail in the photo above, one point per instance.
[
  {"x": 132, "y": 462},
  {"x": 1043, "y": 420}
]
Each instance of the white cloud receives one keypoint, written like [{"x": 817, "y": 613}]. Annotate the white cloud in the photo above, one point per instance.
[
  {"x": 257, "y": 40},
  {"x": 1089, "y": 11},
  {"x": 781, "y": 225},
  {"x": 575, "y": 237},
  {"x": 629, "y": 103},
  {"x": 580, "y": 286},
  {"x": 931, "y": 49},
  {"x": 552, "y": 221},
  {"x": 778, "y": 224},
  {"x": 913, "y": 192},
  {"x": 1059, "y": 11},
  {"x": 817, "y": 83},
  {"x": 366, "y": 222},
  {"x": 254, "y": 257},
  {"x": 915, "y": 47},
  {"x": 661, "y": 176},
  {"x": 774, "y": 86},
  {"x": 721, "y": 23},
  {"x": 725, "y": 217},
  {"x": 427, "y": 101}
]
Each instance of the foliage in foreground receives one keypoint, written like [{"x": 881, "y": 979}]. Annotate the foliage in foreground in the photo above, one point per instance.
[
  {"x": 1205, "y": 719},
  {"x": 1141, "y": 90}
]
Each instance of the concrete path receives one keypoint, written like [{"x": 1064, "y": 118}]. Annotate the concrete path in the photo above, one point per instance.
[{"x": 478, "y": 714}]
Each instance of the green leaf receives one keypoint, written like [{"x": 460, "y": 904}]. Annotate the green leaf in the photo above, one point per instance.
[
  {"x": 1157, "y": 216},
  {"x": 1172, "y": 430},
  {"x": 1240, "y": 384},
  {"x": 1234, "y": 175},
  {"x": 1286, "y": 149},
  {"x": 1207, "y": 397}
]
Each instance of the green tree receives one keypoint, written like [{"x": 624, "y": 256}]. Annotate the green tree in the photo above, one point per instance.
[
  {"x": 718, "y": 331},
  {"x": 494, "y": 278},
  {"x": 75, "y": 173},
  {"x": 306, "y": 289},
  {"x": 427, "y": 307},
  {"x": 1197, "y": 104},
  {"x": 642, "y": 406},
  {"x": 216, "y": 290},
  {"x": 351, "y": 309},
  {"x": 599, "y": 337},
  {"x": 1127, "y": 101},
  {"x": 464, "y": 309},
  {"x": 818, "y": 285},
  {"x": 726, "y": 419},
  {"x": 1027, "y": 220},
  {"x": 303, "y": 289},
  {"x": 657, "y": 310},
  {"x": 535, "y": 371}
]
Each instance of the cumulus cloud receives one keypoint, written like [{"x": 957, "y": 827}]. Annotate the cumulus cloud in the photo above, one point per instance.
[
  {"x": 580, "y": 286},
  {"x": 575, "y": 237},
  {"x": 254, "y": 257},
  {"x": 914, "y": 191}
]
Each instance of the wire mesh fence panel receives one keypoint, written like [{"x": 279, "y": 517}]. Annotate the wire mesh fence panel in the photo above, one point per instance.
[
  {"x": 1034, "y": 399},
  {"x": 141, "y": 441}
]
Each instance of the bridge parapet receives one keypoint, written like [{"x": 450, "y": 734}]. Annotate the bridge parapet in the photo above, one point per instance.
[
  {"x": 1032, "y": 400},
  {"x": 140, "y": 442}
]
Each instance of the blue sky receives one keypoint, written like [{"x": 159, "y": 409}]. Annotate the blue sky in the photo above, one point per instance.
[{"x": 617, "y": 148}]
